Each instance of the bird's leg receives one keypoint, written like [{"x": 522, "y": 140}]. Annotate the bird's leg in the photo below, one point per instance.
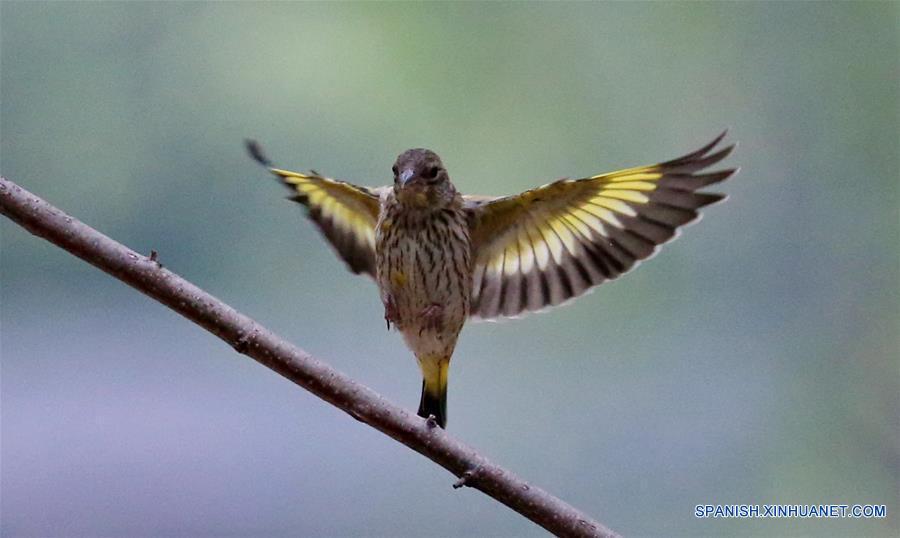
[
  {"x": 390, "y": 311},
  {"x": 432, "y": 317}
]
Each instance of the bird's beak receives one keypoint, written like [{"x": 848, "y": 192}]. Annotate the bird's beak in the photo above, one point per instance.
[{"x": 405, "y": 177}]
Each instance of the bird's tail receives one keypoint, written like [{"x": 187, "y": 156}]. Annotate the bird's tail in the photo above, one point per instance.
[{"x": 434, "y": 389}]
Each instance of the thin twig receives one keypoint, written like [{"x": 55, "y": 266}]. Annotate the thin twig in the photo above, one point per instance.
[{"x": 250, "y": 338}]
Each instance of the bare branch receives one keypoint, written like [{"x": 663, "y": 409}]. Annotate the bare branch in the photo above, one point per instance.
[{"x": 250, "y": 338}]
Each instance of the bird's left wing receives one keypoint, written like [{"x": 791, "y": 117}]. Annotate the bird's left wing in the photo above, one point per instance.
[
  {"x": 547, "y": 245},
  {"x": 345, "y": 213}
]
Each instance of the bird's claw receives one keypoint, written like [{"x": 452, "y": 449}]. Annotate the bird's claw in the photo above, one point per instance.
[
  {"x": 432, "y": 318},
  {"x": 390, "y": 312}
]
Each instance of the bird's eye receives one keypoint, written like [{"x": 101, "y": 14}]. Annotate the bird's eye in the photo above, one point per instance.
[
  {"x": 431, "y": 172},
  {"x": 394, "y": 169}
]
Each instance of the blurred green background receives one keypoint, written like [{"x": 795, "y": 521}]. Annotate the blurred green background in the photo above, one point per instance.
[{"x": 756, "y": 360}]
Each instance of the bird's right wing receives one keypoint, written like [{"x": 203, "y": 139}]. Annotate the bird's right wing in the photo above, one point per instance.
[{"x": 345, "y": 213}]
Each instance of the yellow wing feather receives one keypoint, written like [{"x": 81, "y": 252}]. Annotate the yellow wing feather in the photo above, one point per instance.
[
  {"x": 550, "y": 244},
  {"x": 345, "y": 213}
]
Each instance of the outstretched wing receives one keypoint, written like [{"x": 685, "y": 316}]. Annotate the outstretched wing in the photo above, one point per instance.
[
  {"x": 544, "y": 246},
  {"x": 345, "y": 213}
]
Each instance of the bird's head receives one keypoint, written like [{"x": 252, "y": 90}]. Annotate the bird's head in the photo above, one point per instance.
[{"x": 421, "y": 180}]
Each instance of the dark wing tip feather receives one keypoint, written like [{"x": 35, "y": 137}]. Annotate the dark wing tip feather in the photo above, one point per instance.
[
  {"x": 693, "y": 182},
  {"x": 256, "y": 152},
  {"x": 708, "y": 198},
  {"x": 694, "y": 155},
  {"x": 699, "y": 163},
  {"x": 719, "y": 176}
]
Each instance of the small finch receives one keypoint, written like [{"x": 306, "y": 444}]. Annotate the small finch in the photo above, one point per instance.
[{"x": 440, "y": 257}]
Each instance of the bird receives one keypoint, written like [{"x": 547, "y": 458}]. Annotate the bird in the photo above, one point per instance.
[{"x": 440, "y": 257}]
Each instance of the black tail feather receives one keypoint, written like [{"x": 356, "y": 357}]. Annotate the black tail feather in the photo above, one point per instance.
[{"x": 432, "y": 404}]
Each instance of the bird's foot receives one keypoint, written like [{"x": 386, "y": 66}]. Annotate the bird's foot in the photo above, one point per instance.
[
  {"x": 390, "y": 312},
  {"x": 432, "y": 318}
]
